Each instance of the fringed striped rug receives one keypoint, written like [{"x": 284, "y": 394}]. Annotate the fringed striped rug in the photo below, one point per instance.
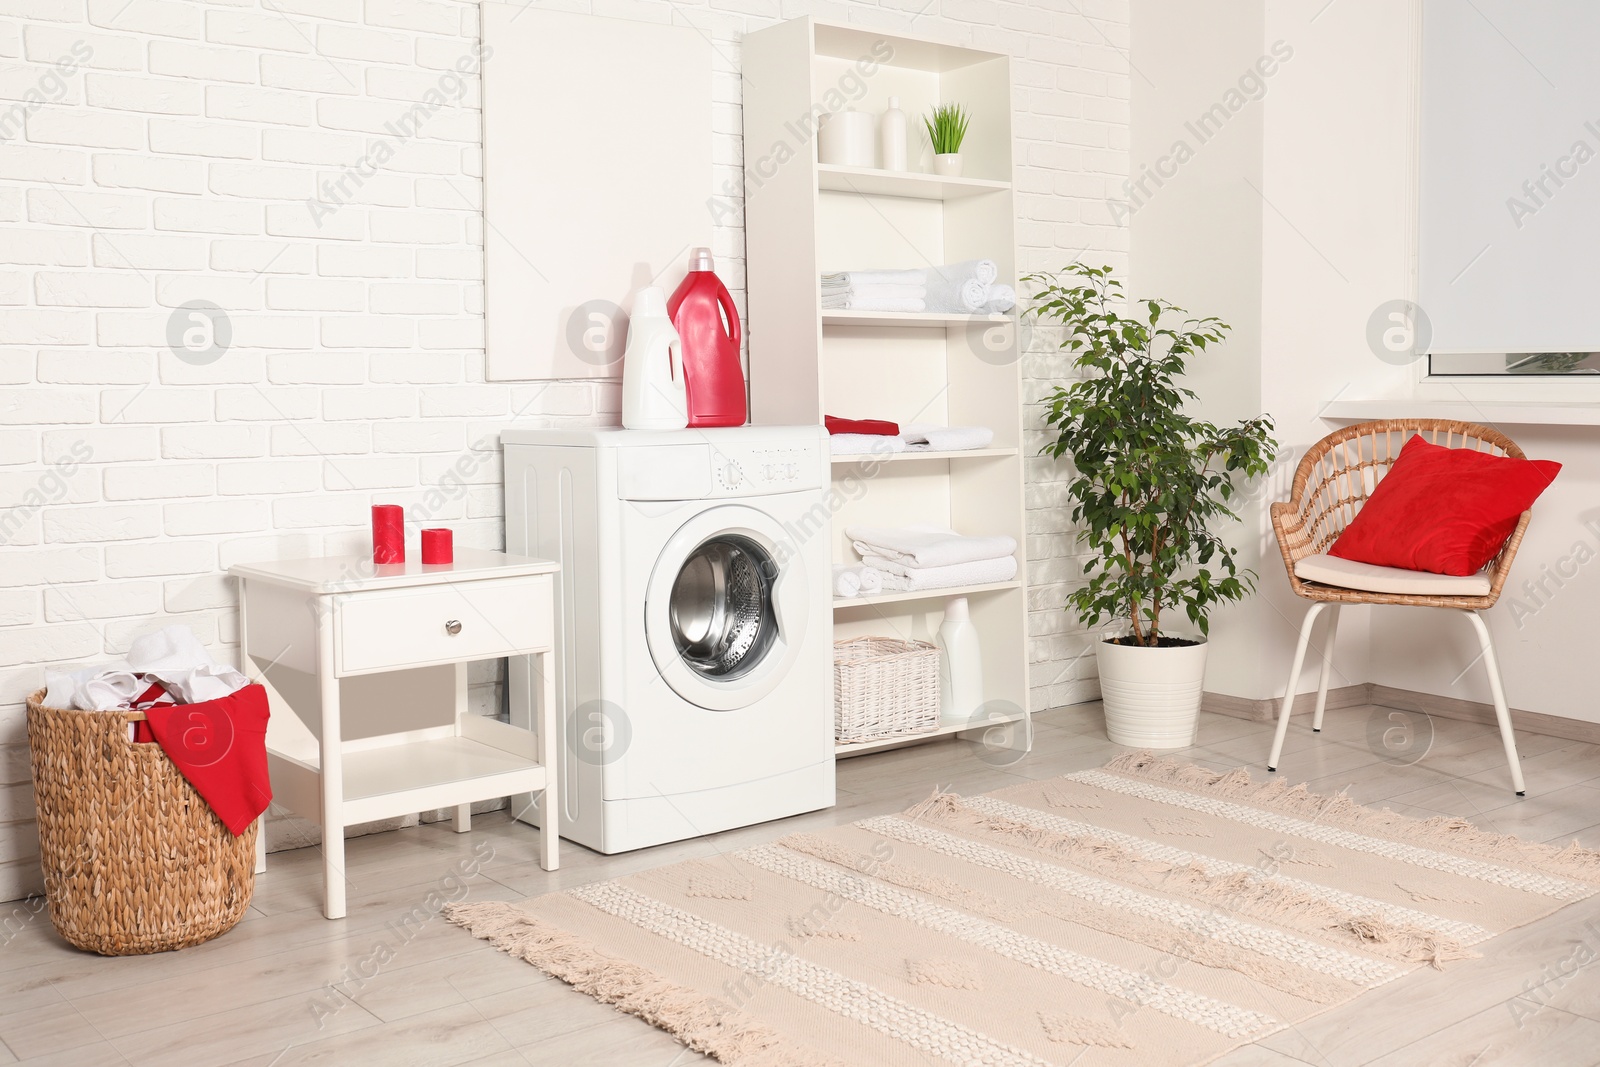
[{"x": 1150, "y": 913}]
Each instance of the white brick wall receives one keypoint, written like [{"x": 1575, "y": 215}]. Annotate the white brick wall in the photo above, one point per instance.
[{"x": 158, "y": 151}]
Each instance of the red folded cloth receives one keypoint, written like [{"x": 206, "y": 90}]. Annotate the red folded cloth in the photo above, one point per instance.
[
  {"x": 221, "y": 748},
  {"x": 872, "y": 426}
]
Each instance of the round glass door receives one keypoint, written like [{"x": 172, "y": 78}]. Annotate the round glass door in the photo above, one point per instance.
[
  {"x": 721, "y": 607},
  {"x": 726, "y": 609}
]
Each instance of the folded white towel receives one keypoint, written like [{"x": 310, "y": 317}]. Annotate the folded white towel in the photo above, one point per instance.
[
  {"x": 946, "y": 438},
  {"x": 926, "y": 545},
  {"x": 865, "y": 444},
  {"x": 1000, "y": 299},
  {"x": 853, "y": 581},
  {"x": 900, "y": 578},
  {"x": 875, "y": 277},
  {"x": 876, "y": 291},
  {"x": 852, "y": 302},
  {"x": 171, "y": 656}
]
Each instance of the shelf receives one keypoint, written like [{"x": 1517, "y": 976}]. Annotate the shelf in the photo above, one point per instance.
[
  {"x": 914, "y": 319},
  {"x": 1498, "y": 412},
  {"x": 923, "y": 594},
  {"x": 907, "y": 457},
  {"x": 421, "y": 775},
  {"x": 874, "y": 182},
  {"x": 850, "y": 43},
  {"x": 861, "y": 748}
]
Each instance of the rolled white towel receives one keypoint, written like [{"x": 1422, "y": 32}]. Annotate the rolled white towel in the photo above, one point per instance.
[
  {"x": 864, "y": 444},
  {"x": 899, "y": 578},
  {"x": 1001, "y": 298},
  {"x": 926, "y": 545},
  {"x": 856, "y": 580},
  {"x": 958, "y": 294},
  {"x": 945, "y": 438},
  {"x": 985, "y": 270},
  {"x": 850, "y": 278}
]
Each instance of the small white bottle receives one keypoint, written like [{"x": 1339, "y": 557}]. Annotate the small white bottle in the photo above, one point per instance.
[
  {"x": 654, "y": 396},
  {"x": 960, "y": 666},
  {"x": 892, "y": 137}
]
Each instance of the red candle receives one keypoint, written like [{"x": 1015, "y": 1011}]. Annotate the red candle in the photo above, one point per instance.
[
  {"x": 436, "y": 546},
  {"x": 388, "y": 533}
]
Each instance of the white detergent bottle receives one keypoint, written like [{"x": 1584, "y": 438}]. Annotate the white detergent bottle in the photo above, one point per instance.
[
  {"x": 960, "y": 666},
  {"x": 892, "y": 137},
  {"x": 653, "y": 393}
]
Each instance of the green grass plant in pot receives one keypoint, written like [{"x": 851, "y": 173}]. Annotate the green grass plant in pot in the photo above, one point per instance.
[
  {"x": 1149, "y": 485},
  {"x": 947, "y": 128}
]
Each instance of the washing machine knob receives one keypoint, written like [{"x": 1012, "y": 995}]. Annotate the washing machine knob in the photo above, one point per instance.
[{"x": 732, "y": 476}]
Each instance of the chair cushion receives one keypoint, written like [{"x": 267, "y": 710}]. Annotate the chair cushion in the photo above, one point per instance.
[
  {"x": 1349, "y": 574},
  {"x": 1444, "y": 510}
]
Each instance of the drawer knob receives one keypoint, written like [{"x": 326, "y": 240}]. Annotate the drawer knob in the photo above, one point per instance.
[{"x": 452, "y": 627}]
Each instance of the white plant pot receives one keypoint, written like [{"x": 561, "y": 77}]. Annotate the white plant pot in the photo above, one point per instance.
[
  {"x": 947, "y": 164},
  {"x": 1152, "y": 695}
]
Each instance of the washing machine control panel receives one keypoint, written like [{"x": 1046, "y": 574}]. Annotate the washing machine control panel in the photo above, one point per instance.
[
  {"x": 740, "y": 471},
  {"x": 733, "y": 464}
]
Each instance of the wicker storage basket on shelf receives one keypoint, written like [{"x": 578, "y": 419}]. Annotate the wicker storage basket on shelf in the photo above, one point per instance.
[
  {"x": 883, "y": 687},
  {"x": 134, "y": 860}
]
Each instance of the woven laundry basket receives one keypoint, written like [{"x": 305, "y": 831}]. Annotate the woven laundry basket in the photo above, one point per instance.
[
  {"x": 134, "y": 860},
  {"x": 884, "y": 687}
]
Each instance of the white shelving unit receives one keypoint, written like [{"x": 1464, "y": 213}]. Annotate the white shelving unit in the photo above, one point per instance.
[{"x": 806, "y": 218}]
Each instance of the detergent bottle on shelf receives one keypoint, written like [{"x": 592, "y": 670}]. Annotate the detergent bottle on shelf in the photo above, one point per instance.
[
  {"x": 653, "y": 394},
  {"x": 702, "y": 311},
  {"x": 960, "y": 665}
]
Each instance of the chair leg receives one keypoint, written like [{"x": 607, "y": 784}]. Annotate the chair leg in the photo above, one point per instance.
[
  {"x": 1294, "y": 681},
  {"x": 1501, "y": 712},
  {"x": 1327, "y": 667}
]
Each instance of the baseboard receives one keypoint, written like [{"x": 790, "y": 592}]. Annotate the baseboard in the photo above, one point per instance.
[
  {"x": 1533, "y": 722},
  {"x": 1346, "y": 696}
]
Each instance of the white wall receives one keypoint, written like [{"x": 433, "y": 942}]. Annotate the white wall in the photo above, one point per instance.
[
  {"x": 1335, "y": 228},
  {"x": 1195, "y": 229},
  {"x": 1335, "y": 245},
  {"x": 159, "y": 151}
]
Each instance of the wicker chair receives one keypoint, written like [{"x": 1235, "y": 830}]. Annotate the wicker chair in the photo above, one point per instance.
[{"x": 1334, "y": 479}]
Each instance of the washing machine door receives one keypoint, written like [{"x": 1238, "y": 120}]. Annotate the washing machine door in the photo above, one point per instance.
[{"x": 725, "y": 610}]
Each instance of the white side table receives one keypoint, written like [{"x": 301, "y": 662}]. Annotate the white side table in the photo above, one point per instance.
[{"x": 365, "y": 666}]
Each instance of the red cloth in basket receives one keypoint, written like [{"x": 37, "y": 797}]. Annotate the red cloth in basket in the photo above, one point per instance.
[{"x": 221, "y": 748}]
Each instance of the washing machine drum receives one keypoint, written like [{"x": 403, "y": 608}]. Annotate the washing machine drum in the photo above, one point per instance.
[
  {"x": 727, "y": 608},
  {"x": 721, "y": 607}
]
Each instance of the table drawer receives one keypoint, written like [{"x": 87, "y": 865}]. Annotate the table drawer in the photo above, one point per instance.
[{"x": 412, "y": 628}]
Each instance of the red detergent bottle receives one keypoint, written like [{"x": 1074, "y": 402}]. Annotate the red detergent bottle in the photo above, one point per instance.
[{"x": 702, "y": 312}]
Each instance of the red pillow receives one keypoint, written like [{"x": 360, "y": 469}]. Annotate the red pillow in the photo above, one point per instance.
[{"x": 1444, "y": 510}]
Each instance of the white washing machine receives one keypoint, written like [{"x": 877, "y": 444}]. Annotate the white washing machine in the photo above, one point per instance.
[{"x": 696, "y": 630}]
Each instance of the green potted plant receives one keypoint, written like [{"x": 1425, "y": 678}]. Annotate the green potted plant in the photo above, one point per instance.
[
  {"x": 947, "y": 128},
  {"x": 1149, "y": 483}
]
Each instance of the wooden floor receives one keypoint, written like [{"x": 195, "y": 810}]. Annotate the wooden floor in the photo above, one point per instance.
[{"x": 423, "y": 992}]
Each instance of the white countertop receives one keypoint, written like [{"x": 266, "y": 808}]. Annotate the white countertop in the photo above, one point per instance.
[{"x": 355, "y": 573}]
